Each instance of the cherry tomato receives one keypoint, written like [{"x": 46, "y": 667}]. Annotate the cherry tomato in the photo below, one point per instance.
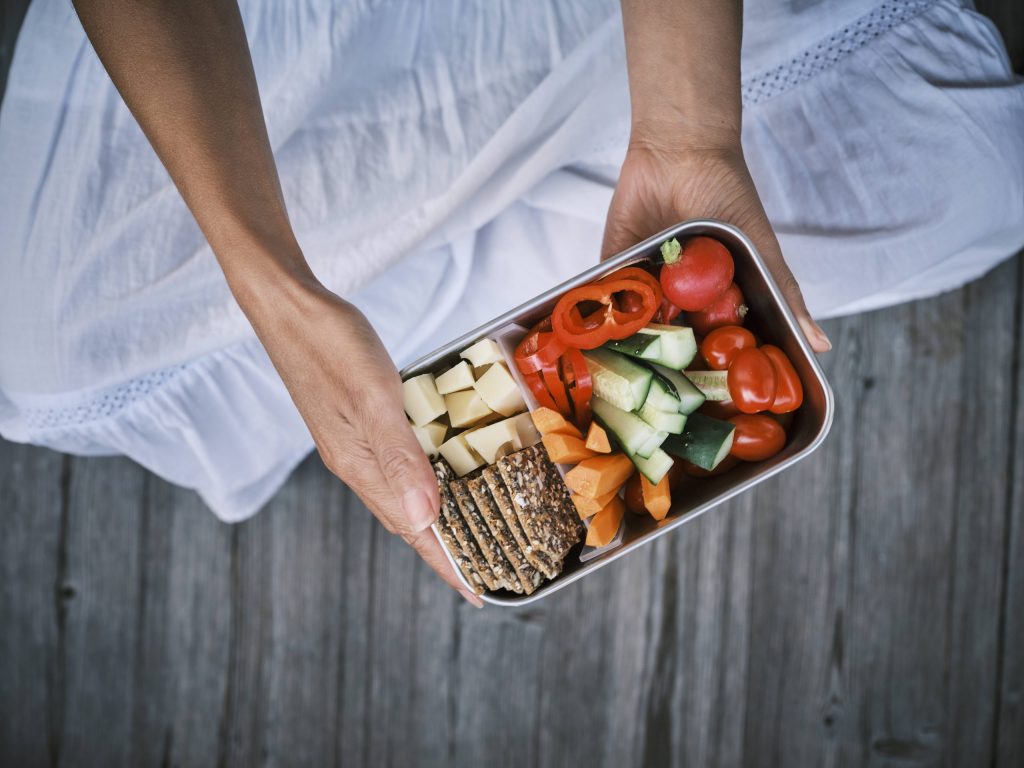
[
  {"x": 675, "y": 475},
  {"x": 757, "y": 437},
  {"x": 635, "y": 495},
  {"x": 727, "y": 309},
  {"x": 697, "y": 274},
  {"x": 751, "y": 381},
  {"x": 719, "y": 410},
  {"x": 694, "y": 471},
  {"x": 721, "y": 346},
  {"x": 789, "y": 392}
]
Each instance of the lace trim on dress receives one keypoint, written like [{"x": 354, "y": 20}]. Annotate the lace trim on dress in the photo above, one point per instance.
[
  {"x": 831, "y": 50},
  {"x": 99, "y": 406}
]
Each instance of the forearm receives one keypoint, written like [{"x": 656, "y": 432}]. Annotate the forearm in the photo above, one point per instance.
[
  {"x": 683, "y": 58},
  {"x": 184, "y": 70}
]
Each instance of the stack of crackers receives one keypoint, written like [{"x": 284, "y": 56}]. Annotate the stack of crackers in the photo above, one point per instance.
[{"x": 509, "y": 525}]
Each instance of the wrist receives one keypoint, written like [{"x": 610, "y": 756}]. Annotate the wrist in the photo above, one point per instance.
[
  {"x": 268, "y": 276},
  {"x": 671, "y": 130}
]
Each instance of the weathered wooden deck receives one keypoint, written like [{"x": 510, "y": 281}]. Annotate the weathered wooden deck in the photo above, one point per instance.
[{"x": 866, "y": 608}]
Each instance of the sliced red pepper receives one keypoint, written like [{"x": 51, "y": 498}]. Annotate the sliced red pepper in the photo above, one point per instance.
[
  {"x": 556, "y": 387},
  {"x": 580, "y": 385},
  {"x": 635, "y": 273},
  {"x": 610, "y": 321},
  {"x": 540, "y": 392},
  {"x": 668, "y": 312},
  {"x": 539, "y": 348}
]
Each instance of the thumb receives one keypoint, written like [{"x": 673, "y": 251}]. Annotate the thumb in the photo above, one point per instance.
[
  {"x": 408, "y": 474},
  {"x": 794, "y": 297}
]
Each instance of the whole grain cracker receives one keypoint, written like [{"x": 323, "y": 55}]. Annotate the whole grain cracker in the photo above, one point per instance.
[
  {"x": 529, "y": 577},
  {"x": 450, "y": 512},
  {"x": 541, "y": 501},
  {"x": 538, "y": 559},
  {"x": 489, "y": 546}
]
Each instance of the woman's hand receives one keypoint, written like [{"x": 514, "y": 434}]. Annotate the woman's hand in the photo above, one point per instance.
[
  {"x": 349, "y": 394},
  {"x": 661, "y": 185}
]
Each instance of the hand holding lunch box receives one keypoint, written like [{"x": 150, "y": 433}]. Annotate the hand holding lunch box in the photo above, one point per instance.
[{"x": 547, "y": 424}]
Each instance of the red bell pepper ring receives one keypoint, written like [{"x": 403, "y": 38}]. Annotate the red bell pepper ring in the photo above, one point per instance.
[
  {"x": 540, "y": 348},
  {"x": 579, "y": 384},
  {"x": 789, "y": 391},
  {"x": 752, "y": 381},
  {"x": 635, "y": 273},
  {"x": 539, "y": 391},
  {"x": 555, "y": 385},
  {"x": 574, "y": 329}
]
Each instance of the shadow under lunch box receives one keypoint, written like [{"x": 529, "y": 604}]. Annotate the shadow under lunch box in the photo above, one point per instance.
[{"x": 768, "y": 317}]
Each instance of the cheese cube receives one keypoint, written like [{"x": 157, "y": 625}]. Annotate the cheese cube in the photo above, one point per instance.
[
  {"x": 465, "y": 408},
  {"x": 500, "y": 391},
  {"x": 460, "y": 456},
  {"x": 459, "y": 377},
  {"x": 484, "y": 352},
  {"x": 430, "y": 436},
  {"x": 421, "y": 399},
  {"x": 528, "y": 434},
  {"x": 495, "y": 440}
]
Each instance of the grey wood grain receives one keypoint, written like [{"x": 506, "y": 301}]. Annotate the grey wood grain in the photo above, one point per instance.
[
  {"x": 107, "y": 515},
  {"x": 180, "y": 673},
  {"x": 1009, "y": 734},
  {"x": 33, "y": 485}
]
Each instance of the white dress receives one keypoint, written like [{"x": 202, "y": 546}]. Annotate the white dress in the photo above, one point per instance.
[{"x": 441, "y": 166}]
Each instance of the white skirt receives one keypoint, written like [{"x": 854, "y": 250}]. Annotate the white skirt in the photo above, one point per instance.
[{"x": 440, "y": 168}]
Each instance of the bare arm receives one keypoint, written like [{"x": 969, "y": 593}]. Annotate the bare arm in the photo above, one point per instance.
[
  {"x": 184, "y": 70},
  {"x": 685, "y": 158}
]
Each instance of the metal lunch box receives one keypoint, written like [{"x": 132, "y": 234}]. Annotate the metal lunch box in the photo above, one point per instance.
[{"x": 769, "y": 317}]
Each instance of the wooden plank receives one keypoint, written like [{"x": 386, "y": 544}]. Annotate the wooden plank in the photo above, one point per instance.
[
  {"x": 33, "y": 485},
  {"x": 179, "y": 677},
  {"x": 797, "y": 687},
  {"x": 983, "y": 439},
  {"x": 1008, "y": 16},
  {"x": 12, "y": 14},
  {"x": 107, "y": 518},
  {"x": 1009, "y": 734}
]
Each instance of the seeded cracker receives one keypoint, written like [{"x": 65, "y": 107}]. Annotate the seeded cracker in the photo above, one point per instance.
[
  {"x": 459, "y": 540},
  {"x": 466, "y": 567},
  {"x": 489, "y": 546},
  {"x": 533, "y": 556},
  {"x": 529, "y": 577},
  {"x": 541, "y": 500}
]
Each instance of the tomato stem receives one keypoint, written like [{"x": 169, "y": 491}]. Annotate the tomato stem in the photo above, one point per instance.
[{"x": 671, "y": 250}]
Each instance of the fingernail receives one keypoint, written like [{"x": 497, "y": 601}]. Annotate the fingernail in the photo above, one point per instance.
[
  {"x": 814, "y": 334},
  {"x": 418, "y": 510},
  {"x": 472, "y": 599}
]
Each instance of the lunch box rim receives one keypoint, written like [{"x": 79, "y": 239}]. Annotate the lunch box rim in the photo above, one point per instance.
[{"x": 640, "y": 251}]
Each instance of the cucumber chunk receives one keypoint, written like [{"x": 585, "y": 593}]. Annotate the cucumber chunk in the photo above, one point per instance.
[
  {"x": 670, "y": 345},
  {"x": 662, "y": 396},
  {"x": 712, "y": 384},
  {"x": 631, "y": 432},
  {"x": 652, "y": 445},
  {"x": 618, "y": 379},
  {"x": 705, "y": 441},
  {"x": 690, "y": 398},
  {"x": 644, "y": 346},
  {"x": 654, "y": 467},
  {"x": 663, "y": 421}
]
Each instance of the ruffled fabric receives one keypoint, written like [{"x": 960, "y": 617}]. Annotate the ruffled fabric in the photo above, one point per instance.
[{"x": 888, "y": 153}]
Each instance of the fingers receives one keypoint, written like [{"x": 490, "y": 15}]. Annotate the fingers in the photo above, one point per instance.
[
  {"x": 428, "y": 547},
  {"x": 791, "y": 292}
]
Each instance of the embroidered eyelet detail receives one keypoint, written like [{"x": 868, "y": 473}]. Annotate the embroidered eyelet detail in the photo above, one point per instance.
[{"x": 831, "y": 50}]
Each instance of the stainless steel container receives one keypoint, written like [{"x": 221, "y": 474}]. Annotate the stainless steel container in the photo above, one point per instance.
[{"x": 769, "y": 317}]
